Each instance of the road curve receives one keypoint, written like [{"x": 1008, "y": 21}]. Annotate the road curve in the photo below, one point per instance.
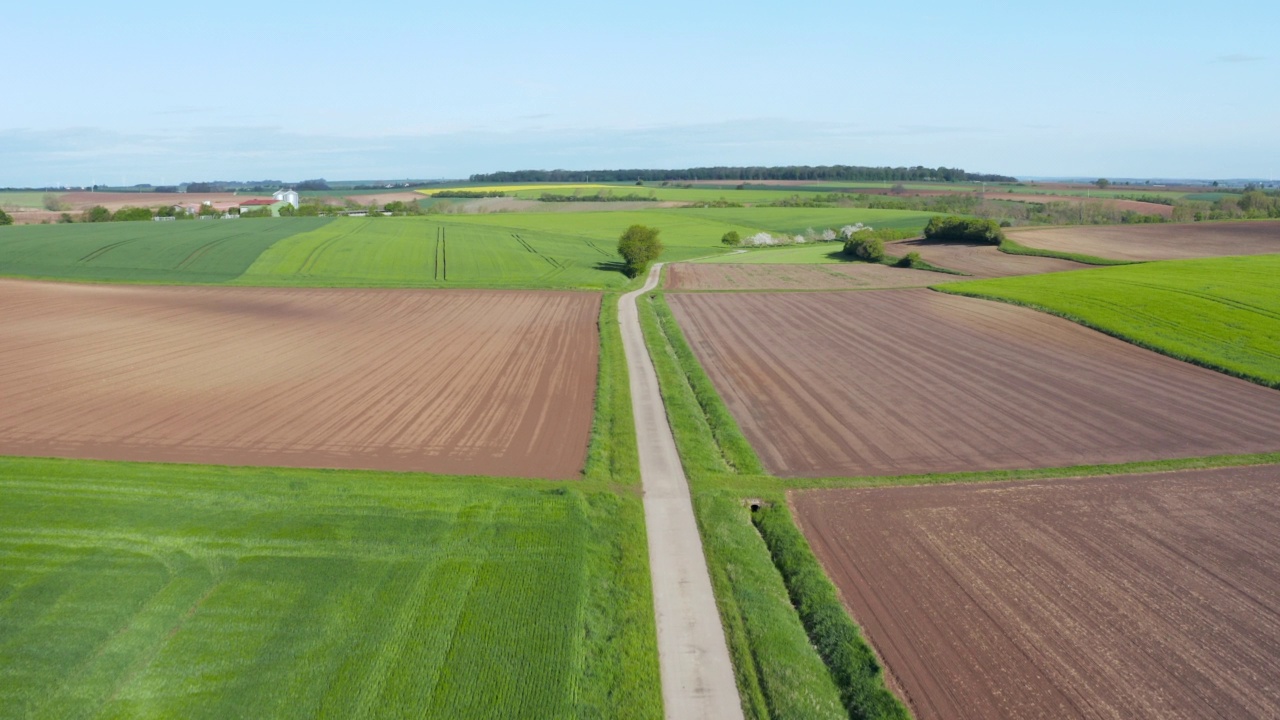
[{"x": 697, "y": 674}]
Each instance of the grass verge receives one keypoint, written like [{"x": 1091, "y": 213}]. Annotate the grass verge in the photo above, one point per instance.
[
  {"x": 779, "y": 673},
  {"x": 852, "y": 662},
  {"x": 612, "y": 455},
  {"x": 1016, "y": 248}
]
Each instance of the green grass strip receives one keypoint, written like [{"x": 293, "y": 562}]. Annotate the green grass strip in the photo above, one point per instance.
[
  {"x": 612, "y": 455},
  {"x": 1016, "y": 248},
  {"x": 732, "y": 445},
  {"x": 779, "y": 673},
  {"x": 852, "y": 662}
]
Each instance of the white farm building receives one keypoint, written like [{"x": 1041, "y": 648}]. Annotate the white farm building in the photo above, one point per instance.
[{"x": 288, "y": 196}]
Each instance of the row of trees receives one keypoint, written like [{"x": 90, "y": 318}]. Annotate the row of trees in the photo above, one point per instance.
[{"x": 817, "y": 173}]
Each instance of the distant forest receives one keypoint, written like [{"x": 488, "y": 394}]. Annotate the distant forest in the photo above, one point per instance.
[{"x": 838, "y": 173}]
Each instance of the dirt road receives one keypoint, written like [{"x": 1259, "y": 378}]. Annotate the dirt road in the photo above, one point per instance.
[{"x": 697, "y": 674}]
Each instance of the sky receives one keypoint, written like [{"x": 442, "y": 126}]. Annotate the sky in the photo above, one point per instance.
[{"x": 149, "y": 92}]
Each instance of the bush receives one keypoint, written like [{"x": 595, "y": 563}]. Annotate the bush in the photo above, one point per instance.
[
  {"x": 97, "y": 213},
  {"x": 639, "y": 246},
  {"x": 865, "y": 247},
  {"x": 5, "y": 218},
  {"x": 731, "y": 238},
  {"x": 910, "y": 260},
  {"x": 962, "y": 229},
  {"x": 131, "y": 214}
]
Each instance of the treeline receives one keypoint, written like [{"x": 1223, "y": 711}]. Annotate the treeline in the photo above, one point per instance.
[{"x": 816, "y": 173}]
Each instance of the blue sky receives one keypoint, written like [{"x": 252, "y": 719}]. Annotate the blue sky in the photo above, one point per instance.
[{"x": 153, "y": 92}]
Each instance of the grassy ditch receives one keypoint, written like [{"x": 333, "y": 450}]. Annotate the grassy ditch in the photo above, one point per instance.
[
  {"x": 852, "y": 662},
  {"x": 780, "y": 673}
]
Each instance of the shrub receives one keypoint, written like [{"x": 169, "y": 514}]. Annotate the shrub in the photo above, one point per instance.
[
  {"x": 5, "y": 218},
  {"x": 639, "y": 245},
  {"x": 130, "y": 214},
  {"x": 910, "y": 260},
  {"x": 962, "y": 229},
  {"x": 865, "y": 247},
  {"x": 97, "y": 213},
  {"x": 731, "y": 238}
]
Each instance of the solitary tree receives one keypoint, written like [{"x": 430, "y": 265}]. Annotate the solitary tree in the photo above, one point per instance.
[
  {"x": 639, "y": 246},
  {"x": 732, "y": 238},
  {"x": 1102, "y": 183}
]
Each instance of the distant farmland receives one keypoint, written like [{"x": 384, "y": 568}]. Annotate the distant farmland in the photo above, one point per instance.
[
  {"x": 459, "y": 382},
  {"x": 193, "y": 592},
  {"x": 174, "y": 252},
  {"x": 1159, "y": 241},
  {"x": 1136, "y": 596}
]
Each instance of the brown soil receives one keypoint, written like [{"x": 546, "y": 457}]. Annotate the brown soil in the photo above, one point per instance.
[
  {"x": 848, "y": 276},
  {"x": 1143, "y": 208},
  {"x": 1148, "y": 596},
  {"x": 444, "y": 381},
  {"x": 982, "y": 261},
  {"x": 114, "y": 201},
  {"x": 1158, "y": 242},
  {"x": 913, "y": 381}
]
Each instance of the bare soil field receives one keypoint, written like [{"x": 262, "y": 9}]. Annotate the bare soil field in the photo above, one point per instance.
[
  {"x": 894, "y": 382},
  {"x": 443, "y": 381},
  {"x": 851, "y": 276},
  {"x": 1138, "y": 206},
  {"x": 114, "y": 201},
  {"x": 1149, "y": 596},
  {"x": 981, "y": 261},
  {"x": 1158, "y": 242}
]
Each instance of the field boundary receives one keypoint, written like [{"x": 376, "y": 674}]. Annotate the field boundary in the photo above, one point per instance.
[
  {"x": 958, "y": 289},
  {"x": 1013, "y": 247}
]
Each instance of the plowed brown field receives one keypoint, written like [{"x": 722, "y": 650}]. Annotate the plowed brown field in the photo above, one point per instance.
[
  {"x": 1154, "y": 596},
  {"x": 851, "y": 276},
  {"x": 1158, "y": 242},
  {"x": 981, "y": 261},
  {"x": 913, "y": 381},
  {"x": 458, "y": 382}
]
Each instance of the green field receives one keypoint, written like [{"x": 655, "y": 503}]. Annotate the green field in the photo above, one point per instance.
[
  {"x": 21, "y": 200},
  {"x": 211, "y": 251},
  {"x": 831, "y": 253},
  {"x": 131, "y": 590},
  {"x": 536, "y": 250},
  {"x": 1223, "y": 313},
  {"x": 497, "y": 250},
  {"x": 797, "y": 220}
]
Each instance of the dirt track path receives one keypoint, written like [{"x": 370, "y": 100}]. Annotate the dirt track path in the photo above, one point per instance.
[{"x": 697, "y": 674}]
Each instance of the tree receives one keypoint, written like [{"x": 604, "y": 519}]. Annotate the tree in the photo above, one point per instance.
[
  {"x": 639, "y": 246},
  {"x": 5, "y": 218},
  {"x": 961, "y": 229},
  {"x": 1102, "y": 183},
  {"x": 865, "y": 246},
  {"x": 97, "y": 213},
  {"x": 732, "y": 238}
]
